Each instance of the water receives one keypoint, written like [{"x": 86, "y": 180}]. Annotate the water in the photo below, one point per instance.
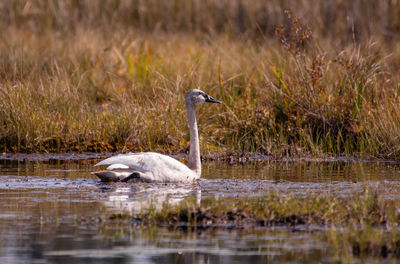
[{"x": 51, "y": 212}]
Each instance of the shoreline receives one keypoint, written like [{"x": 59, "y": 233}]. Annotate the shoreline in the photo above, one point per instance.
[{"x": 233, "y": 158}]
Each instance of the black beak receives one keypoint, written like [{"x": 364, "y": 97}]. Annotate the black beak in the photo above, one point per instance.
[{"x": 209, "y": 99}]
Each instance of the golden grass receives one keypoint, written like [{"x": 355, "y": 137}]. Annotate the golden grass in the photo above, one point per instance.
[{"x": 111, "y": 76}]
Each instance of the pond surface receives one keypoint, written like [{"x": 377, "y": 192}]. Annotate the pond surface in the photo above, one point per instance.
[{"x": 50, "y": 212}]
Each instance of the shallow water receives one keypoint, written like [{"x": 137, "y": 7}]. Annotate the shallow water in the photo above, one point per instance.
[{"x": 51, "y": 213}]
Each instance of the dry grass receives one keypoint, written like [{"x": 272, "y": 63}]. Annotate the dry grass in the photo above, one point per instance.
[{"x": 110, "y": 76}]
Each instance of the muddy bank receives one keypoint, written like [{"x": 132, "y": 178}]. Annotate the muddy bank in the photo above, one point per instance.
[
  {"x": 231, "y": 157},
  {"x": 53, "y": 156}
]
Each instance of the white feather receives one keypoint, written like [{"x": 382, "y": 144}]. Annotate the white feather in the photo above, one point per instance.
[{"x": 117, "y": 166}]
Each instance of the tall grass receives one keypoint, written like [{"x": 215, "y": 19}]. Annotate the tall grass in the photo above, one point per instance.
[
  {"x": 111, "y": 76},
  {"x": 338, "y": 20}
]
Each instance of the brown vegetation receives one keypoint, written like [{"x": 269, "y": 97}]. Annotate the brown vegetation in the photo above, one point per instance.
[{"x": 111, "y": 75}]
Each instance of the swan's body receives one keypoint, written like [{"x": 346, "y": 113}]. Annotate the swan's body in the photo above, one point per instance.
[
  {"x": 148, "y": 167},
  {"x": 155, "y": 167}
]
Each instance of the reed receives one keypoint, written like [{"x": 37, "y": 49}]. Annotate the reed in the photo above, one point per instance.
[{"x": 111, "y": 76}]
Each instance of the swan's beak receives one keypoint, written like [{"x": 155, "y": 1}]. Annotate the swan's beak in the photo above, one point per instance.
[{"x": 209, "y": 99}]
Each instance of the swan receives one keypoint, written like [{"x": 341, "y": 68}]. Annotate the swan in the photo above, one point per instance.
[{"x": 155, "y": 167}]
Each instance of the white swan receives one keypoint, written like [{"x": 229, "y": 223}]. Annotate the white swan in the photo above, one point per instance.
[{"x": 155, "y": 167}]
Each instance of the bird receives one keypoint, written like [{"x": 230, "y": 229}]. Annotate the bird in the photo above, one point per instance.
[{"x": 156, "y": 167}]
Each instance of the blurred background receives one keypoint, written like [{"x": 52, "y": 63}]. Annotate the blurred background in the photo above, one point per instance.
[{"x": 339, "y": 21}]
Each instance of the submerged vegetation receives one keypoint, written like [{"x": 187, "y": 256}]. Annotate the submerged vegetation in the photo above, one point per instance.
[{"x": 111, "y": 76}]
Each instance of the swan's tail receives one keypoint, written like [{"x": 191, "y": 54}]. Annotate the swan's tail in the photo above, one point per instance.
[{"x": 116, "y": 176}]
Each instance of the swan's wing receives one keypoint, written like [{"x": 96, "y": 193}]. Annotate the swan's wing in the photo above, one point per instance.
[
  {"x": 143, "y": 162},
  {"x": 123, "y": 160},
  {"x": 154, "y": 166},
  {"x": 117, "y": 166}
]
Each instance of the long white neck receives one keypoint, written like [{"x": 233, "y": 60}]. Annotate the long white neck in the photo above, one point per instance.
[{"x": 194, "y": 152}]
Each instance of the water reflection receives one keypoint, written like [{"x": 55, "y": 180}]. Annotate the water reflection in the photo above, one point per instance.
[
  {"x": 50, "y": 213},
  {"x": 140, "y": 197},
  {"x": 305, "y": 171},
  {"x": 212, "y": 245}
]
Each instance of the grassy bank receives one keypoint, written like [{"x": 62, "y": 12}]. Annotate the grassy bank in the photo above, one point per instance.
[
  {"x": 78, "y": 76},
  {"x": 364, "y": 225},
  {"x": 368, "y": 208}
]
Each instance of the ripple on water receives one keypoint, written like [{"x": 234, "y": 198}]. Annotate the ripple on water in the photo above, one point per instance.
[
  {"x": 12, "y": 182},
  {"x": 41, "y": 204},
  {"x": 207, "y": 187},
  {"x": 248, "y": 187}
]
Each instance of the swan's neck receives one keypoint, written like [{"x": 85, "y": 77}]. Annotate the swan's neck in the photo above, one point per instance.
[{"x": 194, "y": 152}]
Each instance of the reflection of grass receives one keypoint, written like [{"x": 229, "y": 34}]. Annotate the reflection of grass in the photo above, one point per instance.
[
  {"x": 367, "y": 208},
  {"x": 365, "y": 224},
  {"x": 68, "y": 84},
  {"x": 366, "y": 241}
]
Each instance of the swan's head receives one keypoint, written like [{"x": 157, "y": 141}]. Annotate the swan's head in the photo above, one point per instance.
[{"x": 196, "y": 96}]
